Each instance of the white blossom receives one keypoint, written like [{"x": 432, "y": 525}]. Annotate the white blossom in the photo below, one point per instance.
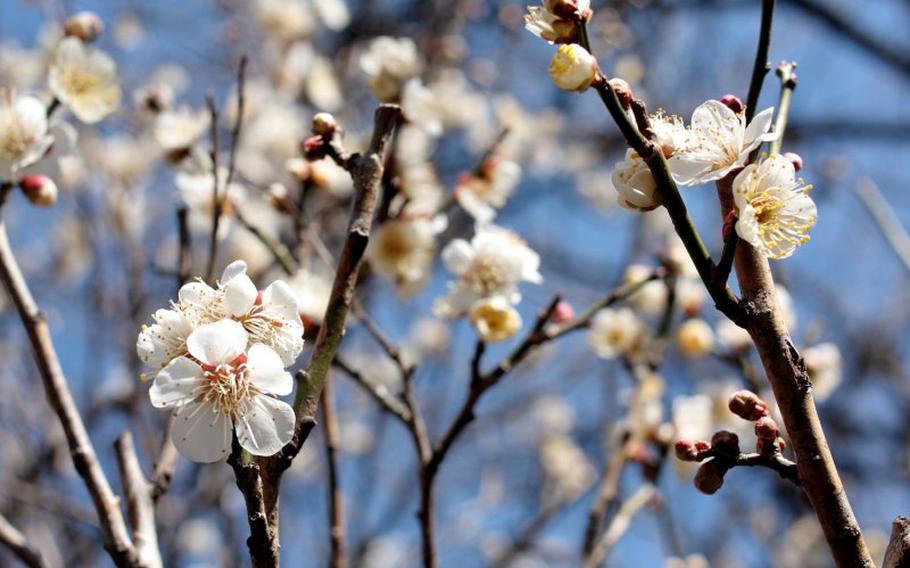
[
  {"x": 222, "y": 386},
  {"x": 615, "y": 332},
  {"x": 24, "y": 137},
  {"x": 494, "y": 319},
  {"x": 492, "y": 264},
  {"x": 85, "y": 80},
  {"x": 388, "y": 63},
  {"x": 543, "y": 22},
  {"x": 270, "y": 316},
  {"x": 695, "y": 338},
  {"x": 825, "y": 366},
  {"x": 402, "y": 250},
  {"x": 718, "y": 141},
  {"x": 181, "y": 128},
  {"x": 775, "y": 212},
  {"x": 482, "y": 195},
  {"x": 635, "y": 186}
]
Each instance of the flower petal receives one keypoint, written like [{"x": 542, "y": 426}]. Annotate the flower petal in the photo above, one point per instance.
[
  {"x": 233, "y": 270},
  {"x": 216, "y": 343},
  {"x": 239, "y": 295},
  {"x": 200, "y": 434},
  {"x": 266, "y": 427},
  {"x": 176, "y": 383},
  {"x": 458, "y": 255},
  {"x": 282, "y": 299},
  {"x": 267, "y": 371}
]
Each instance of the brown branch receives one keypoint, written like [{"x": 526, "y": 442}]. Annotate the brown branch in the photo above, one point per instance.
[
  {"x": 897, "y": 555},
  {"x": 792, "y": 389},
  {"x": 607, "y": 496},
  {"x": 620, "y": 523},
  {"x": 259, "y": 480},
  {"x": 19, "y": 545},
  {"x": 107, "y": 504},
  {"x": 217, "y": 204},
  {"x": 886, "y": 219},
  {"x": 140, "y": 506},
  {"x": 388, "y": 401}
]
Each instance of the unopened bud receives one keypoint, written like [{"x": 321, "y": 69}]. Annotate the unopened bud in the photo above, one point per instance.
[
  {"x": 710, "y": 477},
  {"x": 565, "y": 9},
  {"x": 314, "y": 148},
  {"x": 86, "y": 26},
  {"x": 747, "y": 405},
  {"x": 685, "y": 450},
  {"x": 573, "y": 68},
  {"x": 562, "y": 313},
  {"x": 733, "y": 103},
  {"x": 766, "y": 428},
  {"x": 324, "y": 124},
  {"x": 623, "y": 91},
  {"x": 725, "y": 442},
  {"x": 40, "y": 190},
  {"x": 795, "y": 159}
]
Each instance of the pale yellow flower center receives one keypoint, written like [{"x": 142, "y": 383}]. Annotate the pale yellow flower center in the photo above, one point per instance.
[
  {"x": 227, "y": 388},
  {"x": 486, "y": 275}
]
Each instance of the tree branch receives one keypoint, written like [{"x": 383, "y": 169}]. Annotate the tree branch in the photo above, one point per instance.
[
  {"x": 139, "y": 503},
  {"x": 19, "y": 545}
]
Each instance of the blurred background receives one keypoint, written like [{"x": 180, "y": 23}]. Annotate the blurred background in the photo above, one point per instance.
[{"x": 518, "y": 486}]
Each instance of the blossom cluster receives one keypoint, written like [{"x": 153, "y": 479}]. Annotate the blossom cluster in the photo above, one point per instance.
[{"x": 220, "y": 356}]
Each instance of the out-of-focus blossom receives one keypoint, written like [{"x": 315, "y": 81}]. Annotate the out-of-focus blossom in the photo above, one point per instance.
[
  {"x": 492, "y": 264},
  {"x": 388, "y": 63},
  {"x": 825, "y": 366},
  {"x": 693, "y": 416},
  {"x": 732, "y": 336},
  {"x": 651, "y": 298},
  {"x": 24, "y": 136},
  {"x": 719, "y": 141},
  {"x": 615, "y": 332},
  {"x": 565, "y": 466},
  {"x": 402, "y": 250},
  {"x": 284, "y": 20},
  {"x": 573, "y": 68},
  {"x": 482, "y": 195},
  {"x": 312, "y": 290},
  {"x": 695, "y": 338},
  {"x": 494, "y": 319},
  {"x": 222, "y": 386},
  {"x": 179, "y": 129},
  {"x": 85, "y": 80},
  {"x": 86, "y": 26},
  {"x": 197, "y": 193},
  {"x": 775, "y": 212}
]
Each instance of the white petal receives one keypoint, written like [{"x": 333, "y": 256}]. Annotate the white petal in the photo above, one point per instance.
[
  {"x": 267, "y": 371},
  {"x": 197, "y": 293},
  {"x": 176, "y": 383},
  {"x": 458, "y": 255},
  {"x": 216, "y": 343},
  {"x": 239, "y": 295},
  {"x": 266, "y": 427},
  {"x": 281, "y": 298},
  {"x": 200, "y": 434},
  {"x": 233, "y": 270},
  {"x": 758, "y": 129}
]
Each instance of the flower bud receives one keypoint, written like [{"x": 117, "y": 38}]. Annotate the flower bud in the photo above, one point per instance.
[
  {"x": 494, "y": 319},
  {"x": 795, "y": 159},
  {"x": 623, "y": 91},
  {"x": 40, "y": 190},
  {"x": 324, "y": 124},
  {"x": 747, "y": 405},
  {"x": 710, "y": 477},
  {"x": 766, "y": 428},
  {"x": 685, "y": 450},
  {"x": 733, "y": 103},
  {"x": 725, "y": 442},
  {"x": 562, "y": 313},
  {"x": 573, "y": 68},
  {"x": 86, "y": 26},
  {"x": 314, "y": 148}
]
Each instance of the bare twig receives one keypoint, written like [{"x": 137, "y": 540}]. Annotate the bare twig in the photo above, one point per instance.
[
  {"x": 885, "y": 218},
  {"x": 19, "y": 545},
  {"x": 786, "y": 72},
  {"x": 139, "y": 503},
  {"x": 620, "y": 523},
  {"x": 897, "y": 555},
  {"x": 113, "y": 527},
  {"x": 217, "y": 204},
  {"x": 338, "y": 555},
  {"x": 607, "y": 495},
  {"x": 388, "y": 401}
]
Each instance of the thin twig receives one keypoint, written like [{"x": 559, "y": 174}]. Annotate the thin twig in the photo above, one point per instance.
[
  {"x": 786, "y": 72},
  {"x": 620, "y": 523},
  {"x": 139, "y": 503},
  {"x": 886, "y": 219},
  {"x": 113, "y": 525},
  {"x": 338, "y": 555},
  {"x": 19, "y": 545},
  {"x": 388, "y": 401},
  {"x": 217, "y": 204}
]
